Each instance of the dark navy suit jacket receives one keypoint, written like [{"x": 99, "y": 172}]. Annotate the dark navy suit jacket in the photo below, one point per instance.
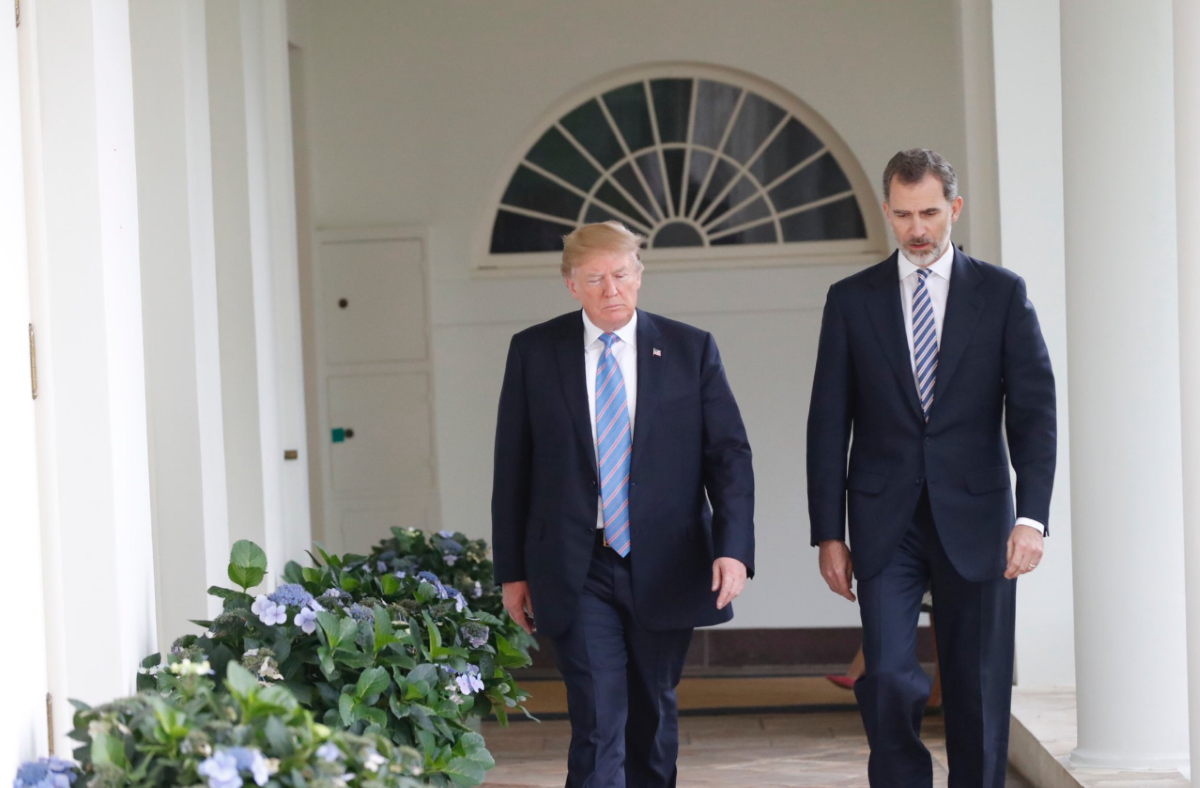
[
  {"x": 993, "y": 380},
  {"x": 689, "y": 448}
]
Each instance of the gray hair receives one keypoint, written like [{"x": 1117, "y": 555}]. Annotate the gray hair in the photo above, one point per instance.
[{"x": 912, "y": 165}]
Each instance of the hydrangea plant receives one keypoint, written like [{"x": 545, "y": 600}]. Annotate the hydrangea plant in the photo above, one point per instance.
[
  {"x": 460, "y": 562},
  {"x": 235, "y": 734},
  {"x": 393, "y": 654}
]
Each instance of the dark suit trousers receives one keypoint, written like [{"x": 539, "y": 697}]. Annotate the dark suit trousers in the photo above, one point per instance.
[
  {"x": 621, "y": 681},
  {"x": 974, "y": 627}
]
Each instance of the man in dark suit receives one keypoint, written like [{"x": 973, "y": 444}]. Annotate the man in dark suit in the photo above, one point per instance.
[
  {"x": 616, "y": 430},
  {"x": 927, "y": 362}
]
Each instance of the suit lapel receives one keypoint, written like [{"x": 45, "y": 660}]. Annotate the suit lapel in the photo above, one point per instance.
[
  {"x": 963, "y": 306},
  {"x": 649, "y": 385},
  {"x": 574, "y": 383},
  {"x": 887, "y": 318}
]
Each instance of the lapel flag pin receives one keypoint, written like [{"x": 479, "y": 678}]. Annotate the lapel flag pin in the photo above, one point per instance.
[{"x": 656, "y": 352}]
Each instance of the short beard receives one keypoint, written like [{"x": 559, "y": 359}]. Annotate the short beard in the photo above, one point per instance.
[{"x": 923, "y": 260}]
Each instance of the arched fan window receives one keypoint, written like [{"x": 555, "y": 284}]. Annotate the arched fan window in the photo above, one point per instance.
[{"x": 696, "y": 159}]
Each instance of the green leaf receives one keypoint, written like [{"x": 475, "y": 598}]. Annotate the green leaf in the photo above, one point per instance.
[
  {"x": 372, "y": 715},
  {"x": 347, "y": 632},
  {"x": 247, "y": 564},
  {"x": 372, "y": 682},
  {"x": 346, "y": 708},
  {"x": 390, "y": 584},
  {"x": 240, "y": 681},
  {"x": 465, "y": 773},
  {"x": 278, "y": 737},
  {"x": 350, "y": 585},
  {"x": 292, "y": 572},
  {"x": 423, "y": 678},
  {"x": 325, "y": 659},
  {"x": 311, "y": 575},
  {"x": 109, "y": 749},
  {"x": 331, "y": 626}
]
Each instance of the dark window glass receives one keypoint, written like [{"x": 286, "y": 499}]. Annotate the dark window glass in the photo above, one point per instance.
[
  {"x": 627, "y": 105},
  {"x": 555, "y": 154},
  {"x": 833, "y": 221},
  {"x": 513, "y": 232},
  {"x": 757, "y": 119},
  {"x": 648, "y": 163},
  {"x": 757, "y": 209},
  {"x": 822, "y": 178},
  {"x": 672, "y": 107},
  {"x": 792, "y": 145},
  {"x": 676, "y": 234},
  {"x": 629, "y": 180},
  {"x": 587, "y": 124},
  {"x": 529, "y": 189},
  {"x": 674, "y": 160},
  {"x": 714, "y": 105}
]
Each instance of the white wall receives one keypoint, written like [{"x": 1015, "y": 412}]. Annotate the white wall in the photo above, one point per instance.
[{"x": 414, "y": 111}]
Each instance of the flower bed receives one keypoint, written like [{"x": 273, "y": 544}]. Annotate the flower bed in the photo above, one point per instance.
[{"x": 390, "y": 656}]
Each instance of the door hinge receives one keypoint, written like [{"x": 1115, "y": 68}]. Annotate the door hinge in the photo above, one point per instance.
[
  {"x": 32, "y": 363},
  {"x": 50, "y": 722},
  {"x": 17, "y": 5}
]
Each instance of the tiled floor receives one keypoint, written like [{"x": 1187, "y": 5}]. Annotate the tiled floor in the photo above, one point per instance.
[{"x": 742, "y": 750}]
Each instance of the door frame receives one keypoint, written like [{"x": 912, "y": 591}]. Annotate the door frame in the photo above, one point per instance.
[{"x": 331, "y": 526}]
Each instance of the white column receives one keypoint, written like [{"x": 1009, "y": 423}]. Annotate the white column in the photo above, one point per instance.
[
  {"x": 257, "y": 276},
  {"x": 85, "y": 282},
  {"x": 179, "y": 305},
  {"x": 1123, "y": 334},
  {"x": 1030, "y": 154},
  {"x": 1187, "y": 190},
  {"x": 235, "y": 282},
  {"x": 23, "y": 696}
]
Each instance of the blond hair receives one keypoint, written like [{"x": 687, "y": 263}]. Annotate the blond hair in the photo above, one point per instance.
[{"x": 605, "y": 237}]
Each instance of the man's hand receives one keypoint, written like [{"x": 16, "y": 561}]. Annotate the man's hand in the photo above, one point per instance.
[
  {"x": 836, "y": 567},
  {"x": 517, "y": 602},
  {"x": 729, "y": 575},
  {"x": 1025, "y": 546}
]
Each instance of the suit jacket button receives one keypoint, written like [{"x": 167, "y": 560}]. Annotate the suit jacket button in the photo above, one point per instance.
[
  {"x": 920, "y": 481},
  {"x": 928, "y": 441}
]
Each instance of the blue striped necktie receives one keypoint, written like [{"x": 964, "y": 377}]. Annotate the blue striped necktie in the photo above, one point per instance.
[
  {"x": 614, "y": 443},
  {"x": 925, "y": 342}
]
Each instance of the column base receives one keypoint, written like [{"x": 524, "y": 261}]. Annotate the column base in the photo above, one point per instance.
[{"x": 1043, "y": 748}]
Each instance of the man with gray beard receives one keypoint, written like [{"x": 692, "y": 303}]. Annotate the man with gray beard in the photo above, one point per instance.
[{"x": 927, "y": 362}]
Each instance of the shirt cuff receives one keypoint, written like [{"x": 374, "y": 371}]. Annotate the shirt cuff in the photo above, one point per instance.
[{"x": 1034, "y": 524}]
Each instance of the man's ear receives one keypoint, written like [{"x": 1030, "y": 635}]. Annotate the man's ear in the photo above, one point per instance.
[
  {"x": 956, "y": 208},
  {"x": 569, "y": 281}
]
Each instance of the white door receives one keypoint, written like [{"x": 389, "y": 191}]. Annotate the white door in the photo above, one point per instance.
[
  {"x": 374, "y": 386},
  {"x": 23, "y": 725}
]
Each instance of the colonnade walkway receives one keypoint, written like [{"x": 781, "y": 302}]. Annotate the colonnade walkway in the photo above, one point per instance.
[{"x": 744, "y": 750}]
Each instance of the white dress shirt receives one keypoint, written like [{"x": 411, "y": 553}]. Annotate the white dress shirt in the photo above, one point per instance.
[
  {"x": 937, "y": 284},
  {"x": 625, "y": 352}
]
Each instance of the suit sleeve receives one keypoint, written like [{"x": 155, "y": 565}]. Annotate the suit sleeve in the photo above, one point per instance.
[
  {"x": 728, "y": 469},
  {"x": 511, "y": 473},
  {"x": 1030, "y": 413},
  {"x": 830, "y": 416}
]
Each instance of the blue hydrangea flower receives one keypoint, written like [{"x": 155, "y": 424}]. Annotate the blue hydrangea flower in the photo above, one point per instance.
[
  {"x": 52, "y": 772},
  {"x": 460, "y": 601},
  {"x": 269, "y": 612},
  {"x": 360, "y": 613},
  {"x": 251, "y": 760},
  {"x": 329, "y": 752},
  {"x": 306, "y": 619},
  {"x": 431, "y": 578},
  {"x": 381, "y": 566},
  {"x": 400, "y": 574},
  {"x": 446, "y": 534},
  {"x": 449, "y": 546},
  {"x": 221, "y": 770},
  {"x": 469, "y": 683},
  {"x": 291, "y": 594},
  {"x": 478, "y": 591},
  {"x": 449, "y": 558}
]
